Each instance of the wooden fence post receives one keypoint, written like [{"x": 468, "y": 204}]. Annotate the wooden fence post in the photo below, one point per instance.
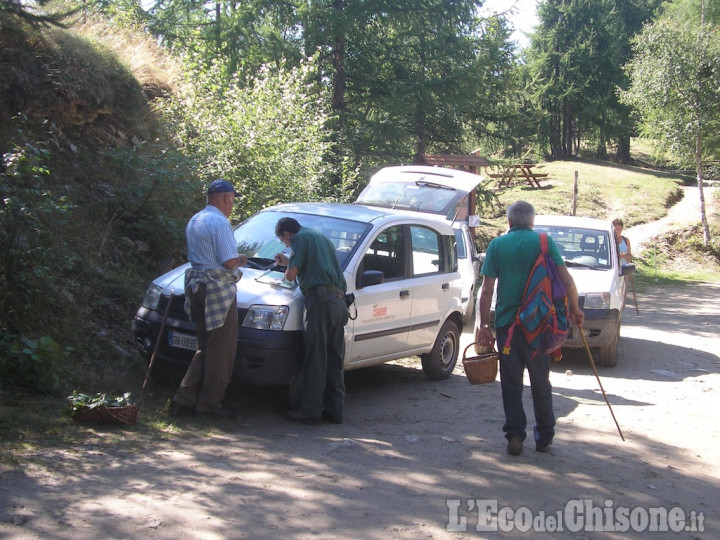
[{"x": 575, "y": 193}]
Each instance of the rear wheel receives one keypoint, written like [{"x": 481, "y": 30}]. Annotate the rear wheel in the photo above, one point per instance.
[{"x": 439, "y": 363}]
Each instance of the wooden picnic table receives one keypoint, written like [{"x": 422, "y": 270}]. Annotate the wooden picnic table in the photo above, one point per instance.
[{"x": 517, "y": 171}]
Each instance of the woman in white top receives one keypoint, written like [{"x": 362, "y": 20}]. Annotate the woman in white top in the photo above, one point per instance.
[{"x": 623, "y": 243}]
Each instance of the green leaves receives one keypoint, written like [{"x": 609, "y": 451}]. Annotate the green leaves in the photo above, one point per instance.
[
  {"x": 78, "y": 400},
  {"x": 268, "y": 137},
  {"x": 575, "y": 64},
  {"x": 30, "y": 363},
  {"x": 675, "y": 86}
]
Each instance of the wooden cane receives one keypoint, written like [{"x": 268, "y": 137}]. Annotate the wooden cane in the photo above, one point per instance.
[
  {"x": 632, "y": 284},
  {"x": 157, "y": 343},
  {"x": 597, "y": 376}
]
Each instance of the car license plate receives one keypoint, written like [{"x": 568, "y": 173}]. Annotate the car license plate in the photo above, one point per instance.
[{"x": 182, "y": 341}]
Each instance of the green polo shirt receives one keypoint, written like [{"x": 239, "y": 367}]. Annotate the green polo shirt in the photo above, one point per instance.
[
  {"x": 314, "y": 256},
  {"x": 509, "y": 259}
]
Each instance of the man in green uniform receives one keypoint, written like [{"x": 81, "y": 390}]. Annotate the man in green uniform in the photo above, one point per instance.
[{"x": 314, "y": 263}]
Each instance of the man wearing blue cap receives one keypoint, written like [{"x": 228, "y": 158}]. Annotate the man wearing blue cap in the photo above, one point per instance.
[{"x": 211, "y": 302}]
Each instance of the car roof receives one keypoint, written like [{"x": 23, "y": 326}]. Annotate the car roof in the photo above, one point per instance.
[
  {"x": 574, "y": 221},
  {"x": 359, "y": 212}
]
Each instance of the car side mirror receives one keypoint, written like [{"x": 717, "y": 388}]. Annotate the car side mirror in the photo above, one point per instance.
[
  {"x": 627, "y": 269},
  {"x": 370, "y": 277}
]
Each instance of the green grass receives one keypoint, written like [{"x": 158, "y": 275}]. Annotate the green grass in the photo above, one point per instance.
[
  {"x": 33, "y": 422},
  {"x": 684, "y": 261},
  {"x": 607, "y": 191},
  {"x": 604, "y": 191},
  {"x": 30, "y": 422}
]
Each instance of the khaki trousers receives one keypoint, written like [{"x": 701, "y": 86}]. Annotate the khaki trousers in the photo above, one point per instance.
[{"x": 208, "y": 375}]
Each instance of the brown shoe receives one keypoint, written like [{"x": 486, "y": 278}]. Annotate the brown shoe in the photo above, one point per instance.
[
  {"x": 177, "y": 410},
  {"x": 332, "y": 418},
  {"x": 514, "y": 446},
  {"x": 294, "y": 415}
]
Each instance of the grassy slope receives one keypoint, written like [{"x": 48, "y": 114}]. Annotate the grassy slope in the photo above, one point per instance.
[{"x": 606, "y": 191}]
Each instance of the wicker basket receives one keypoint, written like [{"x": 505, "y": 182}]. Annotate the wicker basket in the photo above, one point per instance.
[
  {"x": 101, "y": 414},
  {"x": 481, "y": 369}
]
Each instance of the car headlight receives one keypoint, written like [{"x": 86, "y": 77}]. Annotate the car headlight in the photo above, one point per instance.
[
  {"x": 152, "y": 297},
  {"x": 597, "y": 301},
  {"x": 266, "y": 317}
]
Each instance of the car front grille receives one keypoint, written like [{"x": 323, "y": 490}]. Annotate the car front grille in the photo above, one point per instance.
[{"x": 177, "y": 308}]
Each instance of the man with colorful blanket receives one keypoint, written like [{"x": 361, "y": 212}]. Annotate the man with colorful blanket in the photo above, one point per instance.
[{"x": 509, "y": 260}]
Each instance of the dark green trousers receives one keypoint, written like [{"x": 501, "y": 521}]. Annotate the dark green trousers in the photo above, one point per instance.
[{"x": 323, "y": 382}]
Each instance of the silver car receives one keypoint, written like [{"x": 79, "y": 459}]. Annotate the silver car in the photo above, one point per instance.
[{"x": 401, "y": 266}]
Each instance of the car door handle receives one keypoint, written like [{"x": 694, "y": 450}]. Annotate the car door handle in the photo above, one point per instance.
[
  {"x": 445, "y": 286},
  {"x": 404, "y": 293}
]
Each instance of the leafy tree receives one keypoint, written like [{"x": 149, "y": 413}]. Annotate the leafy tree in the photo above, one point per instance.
[
  {"x": 237, "y": 36},
  {"x": 268, "y": 137},
  {"x": 433, "y": 72},
  {"x": 575, "y": 62},
  {"x": 30, "y": 13},
  {"x": 403, "y": 75},
  {"x": 675, "y": 87}
]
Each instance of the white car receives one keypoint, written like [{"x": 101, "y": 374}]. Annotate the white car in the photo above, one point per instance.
[
  {"x": 591, "y": 255},
  {"x": 439, "y": 193},
  {"x": 401, "y": 266}
]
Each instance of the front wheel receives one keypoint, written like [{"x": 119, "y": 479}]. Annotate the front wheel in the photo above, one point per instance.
[
  {"x": 439, "y": 363},
  {"x": 167, "y": 376},
  {"x": 608, "y": 354}
]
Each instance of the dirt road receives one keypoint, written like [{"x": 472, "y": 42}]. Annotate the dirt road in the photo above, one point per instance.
[{"x": 415, "y": 459}]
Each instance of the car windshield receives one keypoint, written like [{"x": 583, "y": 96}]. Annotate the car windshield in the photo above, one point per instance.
[
  {"x": 419, "y": 196},
  {"x": 256, "y": 238},
  {"x": 581, "y": 247}
]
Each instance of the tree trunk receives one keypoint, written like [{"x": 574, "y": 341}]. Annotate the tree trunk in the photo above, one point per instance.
[
  {"x": 623, "y": 149},
  {"x": 698, "y": 150},
  {"x": 699, "y": 168},
  {"x": 338, "y": 98},
  {"x": 420, "y": 113}
]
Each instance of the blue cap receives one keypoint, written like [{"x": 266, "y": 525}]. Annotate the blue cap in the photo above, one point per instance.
[{"x": 222, "y": 186}]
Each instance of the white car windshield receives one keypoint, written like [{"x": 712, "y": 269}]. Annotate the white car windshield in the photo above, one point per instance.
[
  {"x": 256, "y": 238},
  {"x": 581, "y": 247},
  {"x": 419, "y": 196}
]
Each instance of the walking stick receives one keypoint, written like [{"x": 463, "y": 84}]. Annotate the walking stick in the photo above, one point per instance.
[
  {"x": 632, "y": 284},
  {"x": 157, "y": 343},
  {"x": 597, "y": 376}
]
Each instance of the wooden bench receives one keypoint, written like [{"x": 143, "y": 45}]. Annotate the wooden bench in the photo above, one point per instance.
[{"x": 519, "y": 171}]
